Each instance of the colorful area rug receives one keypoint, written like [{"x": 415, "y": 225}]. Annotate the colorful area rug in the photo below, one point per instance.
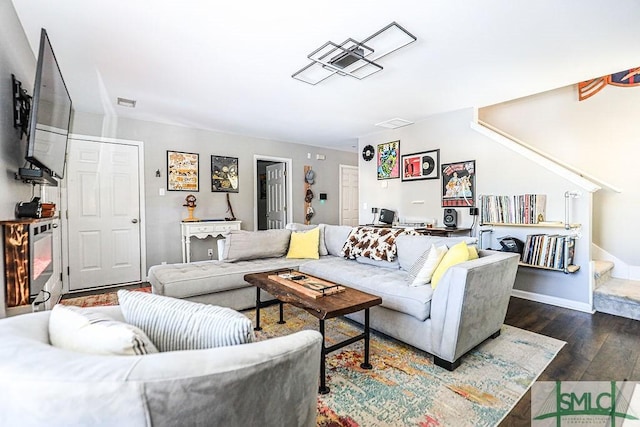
[
  {"x": 405, "y": 388},
  {"x": 109, "y": 298}
]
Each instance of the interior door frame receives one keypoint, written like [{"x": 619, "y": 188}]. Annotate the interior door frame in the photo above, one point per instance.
[
  {"x": 141, "y": 200},
  {"x": 288, "y": 183},
  {"x": 341, "y": 167}
]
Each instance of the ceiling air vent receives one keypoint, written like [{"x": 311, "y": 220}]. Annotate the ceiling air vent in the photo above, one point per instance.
[
  {"x": 394, "y": 123},
  {"x": 124, "y": 102}
]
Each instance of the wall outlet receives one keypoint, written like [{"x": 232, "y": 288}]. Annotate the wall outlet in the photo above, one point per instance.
[
  {"x": 473, "y": 211},
  {"x": 210, "y": 252}
]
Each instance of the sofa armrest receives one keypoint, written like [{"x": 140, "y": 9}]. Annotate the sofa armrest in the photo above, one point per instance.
[
  {"x": 470, "y": 303},
  {"x": 271, "y": 382}
]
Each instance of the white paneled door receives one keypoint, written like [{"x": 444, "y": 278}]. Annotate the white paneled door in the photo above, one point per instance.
[
  {"x": 103, "y": 214},
  {"x": 349, "y": 214},
  {"x": 276, "y": 196}
]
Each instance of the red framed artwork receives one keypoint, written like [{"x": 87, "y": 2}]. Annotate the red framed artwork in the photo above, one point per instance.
[{"x": 424, "y": 165}]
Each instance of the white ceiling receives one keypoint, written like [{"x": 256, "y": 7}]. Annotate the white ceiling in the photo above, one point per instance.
[{"x": 227, "y": 65}]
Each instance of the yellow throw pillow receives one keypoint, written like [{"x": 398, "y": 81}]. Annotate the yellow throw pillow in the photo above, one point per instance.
[
  {"x": 304, "y": 244},
  {"x": 455, "y": 255},
  {"x": 473, "y": 252}
]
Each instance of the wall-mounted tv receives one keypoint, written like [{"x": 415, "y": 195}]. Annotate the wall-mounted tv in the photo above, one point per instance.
[{"x": 50, "y": 113}]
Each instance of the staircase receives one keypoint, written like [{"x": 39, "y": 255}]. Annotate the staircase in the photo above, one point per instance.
[{"x": 619, "y": 297}]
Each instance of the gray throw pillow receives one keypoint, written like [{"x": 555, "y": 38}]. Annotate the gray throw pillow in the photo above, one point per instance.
[
  {"x": 417, "y": 266},
  {"x": 335, "y": 236},
  {"x": 174, "y": 324},
  {"x": 243, "y": 245}
]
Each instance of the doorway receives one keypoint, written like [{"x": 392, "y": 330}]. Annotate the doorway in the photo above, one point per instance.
[
  {"x": 272, "y": 191},
  {"x": 349, "y": 201},
  {"x": 104, "y": 203}
]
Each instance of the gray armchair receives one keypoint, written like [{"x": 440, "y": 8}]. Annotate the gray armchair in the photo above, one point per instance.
[{"x": 268, "y": 383}]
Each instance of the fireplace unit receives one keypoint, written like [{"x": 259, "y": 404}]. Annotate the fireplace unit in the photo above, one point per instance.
[{"x": 28, "y": 258}]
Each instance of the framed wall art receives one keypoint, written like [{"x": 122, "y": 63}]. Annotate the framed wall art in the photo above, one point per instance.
[
  {"x": 182, "y": 171},
  {"x": 459, "y": 184},
  {"x": 388, "y": 155},
  {"x": 424, "y": 165},
  {"x": 224, "y": 174}
]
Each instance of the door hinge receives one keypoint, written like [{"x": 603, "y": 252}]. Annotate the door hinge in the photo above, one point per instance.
[
  {"x": 68, "y": 271},
  {"x": 66, "y": 214},
  {"x": 61, "y": 277}
]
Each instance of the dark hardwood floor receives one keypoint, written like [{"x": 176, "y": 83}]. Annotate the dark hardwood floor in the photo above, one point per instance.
[
  {"x": 600, "y": 347},
  {"x": 104, "y": 290}
]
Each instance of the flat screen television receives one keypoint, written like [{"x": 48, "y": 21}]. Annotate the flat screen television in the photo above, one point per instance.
[{"x": 50, "y": 114}]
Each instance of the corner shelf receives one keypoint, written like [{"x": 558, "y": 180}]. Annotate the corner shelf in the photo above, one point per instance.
[
  {"x": 570, "y": 268},
  {"x": 547, "y": 249},
  {"x": 538, "y": 225}
]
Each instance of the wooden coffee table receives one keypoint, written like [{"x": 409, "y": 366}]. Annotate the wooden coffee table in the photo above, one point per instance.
[{"x": 326, "y": 307}]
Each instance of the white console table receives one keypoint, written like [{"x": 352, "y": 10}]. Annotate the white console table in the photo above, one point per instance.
[{"x": 202, "y": 230}]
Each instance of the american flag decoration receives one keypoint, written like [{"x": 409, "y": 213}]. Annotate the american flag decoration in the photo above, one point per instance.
[{"x": 626, "y": 78}]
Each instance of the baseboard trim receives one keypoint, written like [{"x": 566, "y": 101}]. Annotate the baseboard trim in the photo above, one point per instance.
[{"x": 560, "y": 302}]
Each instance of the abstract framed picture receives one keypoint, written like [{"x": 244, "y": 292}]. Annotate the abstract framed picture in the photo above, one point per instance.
[
  {"x": 388, "y": 156},
  {"x": 182, "y": 171},
  {"x": 224, "y": 174},
  {"x": 424, "y": 165},
  {"x": 459, "y": 184}
]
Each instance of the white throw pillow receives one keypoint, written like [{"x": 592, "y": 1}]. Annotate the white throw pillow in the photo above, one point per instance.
[
  {"x": 88, "y": 331},
  {"x": 175, "y": 324},
  {"x": 430, "y": 264}
]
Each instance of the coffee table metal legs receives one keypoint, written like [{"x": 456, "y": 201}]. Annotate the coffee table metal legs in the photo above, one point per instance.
[
  {"x": 281, "y": 321},
  {"x": 261, "y": 304},
  {"x": 366, "y": 364},
  {"x": 324, "y": 389},
  {"x": 258, "y": 303}
]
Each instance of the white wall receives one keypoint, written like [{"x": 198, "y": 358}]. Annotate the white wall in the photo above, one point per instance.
[
  {"x": 499, "y": 172},
  {"x": 165, "y": 212},
  {"x": 16, "y": 58},
  {"x": 599, "y": 136}
]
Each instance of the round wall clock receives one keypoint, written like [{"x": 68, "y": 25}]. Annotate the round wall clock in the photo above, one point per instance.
[{"x": 368, "y": 152}]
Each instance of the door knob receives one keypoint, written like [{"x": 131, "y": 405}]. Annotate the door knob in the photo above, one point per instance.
[{"x": 134, "y": 220}]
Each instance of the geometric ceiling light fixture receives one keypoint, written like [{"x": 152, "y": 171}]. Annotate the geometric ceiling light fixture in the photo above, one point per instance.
[{"x": 354, "y": 58}]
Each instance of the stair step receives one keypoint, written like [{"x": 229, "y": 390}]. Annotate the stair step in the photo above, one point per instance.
[
  {"x": 602, "y": 272},
  {"x": 619, "y": 297}
]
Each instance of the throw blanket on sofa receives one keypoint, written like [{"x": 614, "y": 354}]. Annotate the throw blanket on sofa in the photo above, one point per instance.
[{"x": 373, "y": 242}]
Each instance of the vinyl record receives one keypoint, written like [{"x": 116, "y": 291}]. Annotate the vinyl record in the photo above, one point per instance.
[
  {"x": 428, "y": 165},
  {"x": 368, "y": 153}
]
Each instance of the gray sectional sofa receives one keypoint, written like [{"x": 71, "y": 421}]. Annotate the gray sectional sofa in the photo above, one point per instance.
[{"x": 467, "y": 307}]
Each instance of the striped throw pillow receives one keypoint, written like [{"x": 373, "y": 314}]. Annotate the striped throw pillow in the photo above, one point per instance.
[{"x": 174, "y": 324}]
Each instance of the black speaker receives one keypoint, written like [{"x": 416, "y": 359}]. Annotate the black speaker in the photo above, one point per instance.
[{"x": 450, "y": 218}]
